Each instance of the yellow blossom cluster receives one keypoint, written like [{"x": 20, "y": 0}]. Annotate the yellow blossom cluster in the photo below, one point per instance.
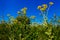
[
  {"x": 44, "y": 6},
  {"x": 24, "y": 10},
  {"x": 51, "y": 3}
]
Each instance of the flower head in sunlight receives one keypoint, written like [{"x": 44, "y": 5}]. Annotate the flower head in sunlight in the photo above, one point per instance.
[
  {"x": 43, "y": 9},
  {"x": 24, "y": 10},
  {"x": 18, "y": 12},
  {"x": 45, "y": 6},
  {"x": 39, "y": 7},
  {"x": 51, "y": 3}
]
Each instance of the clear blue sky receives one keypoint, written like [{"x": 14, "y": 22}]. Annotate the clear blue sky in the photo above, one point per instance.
[{"x": 12, "y": 6}]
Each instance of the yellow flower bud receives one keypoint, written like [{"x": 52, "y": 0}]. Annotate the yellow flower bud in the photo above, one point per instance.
[
  {"x": 44, "y": 5},
  {"x": 39, "y": 7},
  {"x": 51, "y": 3},
  {"x": 24, "y": 10}
]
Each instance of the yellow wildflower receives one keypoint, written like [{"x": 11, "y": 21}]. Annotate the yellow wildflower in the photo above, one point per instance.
[
  {"x": 44, "y": 5},
  {"x": 39, "y": 7},
  {"x": 43, "y": 9},
  {"x": 51, "y": 3},
  {"x": 24, "y": 10}
]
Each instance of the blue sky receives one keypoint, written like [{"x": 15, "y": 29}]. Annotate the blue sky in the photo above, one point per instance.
[{"x": 12, "y": 6}]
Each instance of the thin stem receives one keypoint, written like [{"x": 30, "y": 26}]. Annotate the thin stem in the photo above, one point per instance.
[
  {"x": 41, "y": 12},
  {"x": 48, "y": 9}
]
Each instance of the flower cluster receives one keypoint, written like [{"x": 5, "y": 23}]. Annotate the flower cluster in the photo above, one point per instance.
[
  {"x": 24, "y": 10},
  {"x": 44, "y": 6}
]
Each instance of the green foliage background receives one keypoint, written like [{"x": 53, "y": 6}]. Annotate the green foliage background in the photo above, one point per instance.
[{"x": 22, "y": 29}]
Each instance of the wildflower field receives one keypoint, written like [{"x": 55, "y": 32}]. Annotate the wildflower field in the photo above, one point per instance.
[{"x": 21, "y": 27}]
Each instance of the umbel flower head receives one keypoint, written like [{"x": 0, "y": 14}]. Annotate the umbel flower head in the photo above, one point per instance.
[
  {"x": 24, "y": 10},
  {"x": 43, "y": 7},
  {"x": 51, "y": 3},
  {"x": 39, "y": 7}
]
